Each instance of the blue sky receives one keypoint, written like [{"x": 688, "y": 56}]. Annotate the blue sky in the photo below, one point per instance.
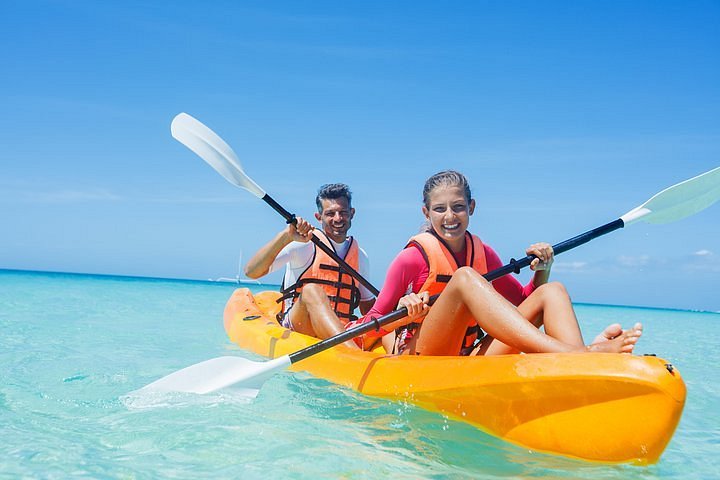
[{"x": 564, "y": 116}]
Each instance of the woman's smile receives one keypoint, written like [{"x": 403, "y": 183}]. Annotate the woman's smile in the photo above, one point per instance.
[{"x": 449, "y": 214}]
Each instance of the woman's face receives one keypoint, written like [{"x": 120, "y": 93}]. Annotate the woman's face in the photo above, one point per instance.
[{"x": 449, "y": 214}]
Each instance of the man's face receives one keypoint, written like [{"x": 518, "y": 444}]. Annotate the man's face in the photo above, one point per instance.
[{"x": 335, "y": 218}]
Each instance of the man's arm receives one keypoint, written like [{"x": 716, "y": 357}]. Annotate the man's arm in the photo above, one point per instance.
[{"x": 259, "y": 264}]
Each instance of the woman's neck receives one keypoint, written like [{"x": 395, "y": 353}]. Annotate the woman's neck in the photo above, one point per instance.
[{"x": 456, "y": 245}]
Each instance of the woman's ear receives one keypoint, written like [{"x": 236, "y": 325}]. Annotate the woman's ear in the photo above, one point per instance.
[
  {"x": 472, "y": 206},
  {"x": 426, "y": 212}
]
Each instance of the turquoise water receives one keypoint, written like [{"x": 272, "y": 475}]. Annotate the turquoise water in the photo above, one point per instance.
[{"x": 73, "y": 346}]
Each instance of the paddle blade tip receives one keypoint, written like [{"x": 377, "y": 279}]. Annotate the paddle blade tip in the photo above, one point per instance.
[
  {"x": 679, "y": 201},
  {"x": 180, "y": 122},
  {"x": 241, "y": 374},
  {"x": 210, "y": 147}
]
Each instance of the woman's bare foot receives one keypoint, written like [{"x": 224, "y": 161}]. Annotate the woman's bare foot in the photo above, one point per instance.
[
  {"x": 623, "y": 343},
  {"x": 610, "y": 332}
]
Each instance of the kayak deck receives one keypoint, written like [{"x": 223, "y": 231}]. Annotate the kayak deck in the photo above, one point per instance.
[{"x": 600, "y": 407}]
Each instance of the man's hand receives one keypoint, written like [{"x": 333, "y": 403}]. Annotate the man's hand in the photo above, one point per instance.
[{"x": 300, "y": 231}]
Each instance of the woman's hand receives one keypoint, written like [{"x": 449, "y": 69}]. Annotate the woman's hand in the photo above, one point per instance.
[
  {"x": 300, "y": 231},
  {"x": 545, "y": 256},
  {"x": 417, "y": 306}
]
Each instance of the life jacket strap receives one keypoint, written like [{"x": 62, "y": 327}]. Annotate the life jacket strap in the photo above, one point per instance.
[
  {"x": 333, "y": 268},
  {"x": 304, "y": 281},
  {"x": 292, "y": 292}
]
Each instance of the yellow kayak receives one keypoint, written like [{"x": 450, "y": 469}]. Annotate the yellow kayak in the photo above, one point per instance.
[{"x": 600, "y": 407}]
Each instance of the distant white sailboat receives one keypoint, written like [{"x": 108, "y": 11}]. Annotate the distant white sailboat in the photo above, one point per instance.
[{"x": 238, "y": 279}]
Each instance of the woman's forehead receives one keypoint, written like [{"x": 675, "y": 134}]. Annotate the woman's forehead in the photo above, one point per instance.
[{"x": 447, "y": 192}]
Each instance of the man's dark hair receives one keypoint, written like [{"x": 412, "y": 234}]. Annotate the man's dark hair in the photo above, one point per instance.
[{"x": 332, "y": 191}]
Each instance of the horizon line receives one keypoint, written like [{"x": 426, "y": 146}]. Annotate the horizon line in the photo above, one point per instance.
[{"x": 229, "y": 281}]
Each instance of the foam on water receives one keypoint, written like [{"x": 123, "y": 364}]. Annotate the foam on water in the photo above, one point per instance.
[{"x": 74, "y": 347}]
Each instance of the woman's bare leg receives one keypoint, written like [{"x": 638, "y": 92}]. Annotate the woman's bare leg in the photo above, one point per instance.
[
  {"x": 468, "y": 294},
  {"x": 548, "y": 305}
]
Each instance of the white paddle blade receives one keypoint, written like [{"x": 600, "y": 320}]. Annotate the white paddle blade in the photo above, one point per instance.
[
  {"x": 679, "y": 201},
  {"x": 213, "y": 149},
  {"x": 217, "y": 373}
]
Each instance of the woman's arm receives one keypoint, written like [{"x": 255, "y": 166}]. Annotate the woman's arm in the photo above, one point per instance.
[{"x": 408, "y": 269}]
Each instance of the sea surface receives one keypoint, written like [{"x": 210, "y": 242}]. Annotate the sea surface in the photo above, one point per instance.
[{"x": 73, "y": 346}]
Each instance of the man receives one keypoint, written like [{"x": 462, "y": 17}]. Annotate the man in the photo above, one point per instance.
[{"x": 319, "y": 295}]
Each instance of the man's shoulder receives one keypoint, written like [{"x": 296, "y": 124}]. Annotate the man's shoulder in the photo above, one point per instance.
[
  {"x": 298, "y": 249},
  {"x": 361, "y": 251},
  {"x": 293, "y": 246}
]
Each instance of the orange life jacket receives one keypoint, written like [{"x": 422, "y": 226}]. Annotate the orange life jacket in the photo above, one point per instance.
[
  {"x": 341, "y": 288},
  {"x": 442, "y": 264}
]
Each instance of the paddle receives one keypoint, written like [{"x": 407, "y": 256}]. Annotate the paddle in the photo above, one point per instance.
[
  {"x": 218, "y": 154},
  {"x": 679, "y": 201},
  {"x": 672, "y": 204}
]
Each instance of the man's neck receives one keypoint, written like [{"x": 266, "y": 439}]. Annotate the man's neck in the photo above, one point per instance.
[{"x": 335, "y": 239}]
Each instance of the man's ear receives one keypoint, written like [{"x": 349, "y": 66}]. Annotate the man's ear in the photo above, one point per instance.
[
  {"x": 352, "y": 213},
  {"x": 318, "y": 217}
]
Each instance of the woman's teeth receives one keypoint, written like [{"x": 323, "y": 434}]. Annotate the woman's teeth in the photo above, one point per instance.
[{"x": 454, "y": 226}]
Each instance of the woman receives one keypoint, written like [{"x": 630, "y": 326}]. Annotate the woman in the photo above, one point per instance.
[{"x": 450, "y": 260}]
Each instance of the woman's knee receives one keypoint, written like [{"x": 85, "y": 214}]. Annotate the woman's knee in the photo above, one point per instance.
[
  {"x": 467, "y": 274},
  {"x": 553, "y": 289},
  {"x": 467, "y": 283}
]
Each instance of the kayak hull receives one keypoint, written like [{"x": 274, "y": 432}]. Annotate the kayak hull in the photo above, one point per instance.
[{"x": 607, "y": 408}]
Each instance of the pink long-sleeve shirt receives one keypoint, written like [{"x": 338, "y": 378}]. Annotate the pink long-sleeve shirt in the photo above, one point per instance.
[{"x": 408, "y": 271}]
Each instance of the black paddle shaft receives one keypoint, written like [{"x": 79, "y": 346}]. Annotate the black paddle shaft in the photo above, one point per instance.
[
  {"x": 513, "y": 266},
  {"x": 290, "y": 218}
]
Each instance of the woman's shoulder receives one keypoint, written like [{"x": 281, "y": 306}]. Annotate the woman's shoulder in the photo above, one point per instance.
[{"x": 411, "y": 255}]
